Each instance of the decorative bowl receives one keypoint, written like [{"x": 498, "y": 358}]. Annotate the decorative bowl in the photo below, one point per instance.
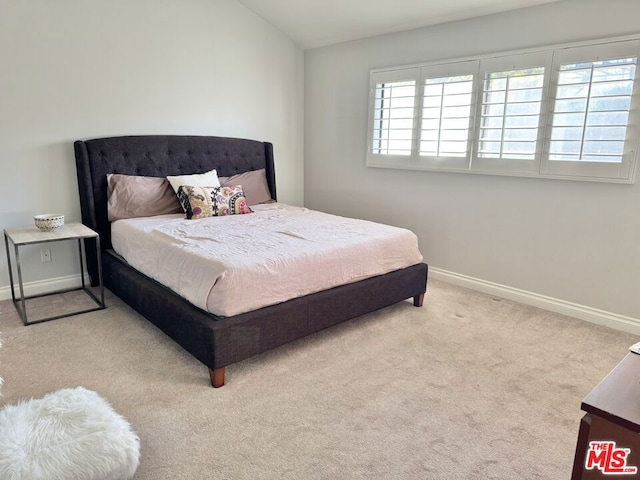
[{"x": 49, "y": 221}]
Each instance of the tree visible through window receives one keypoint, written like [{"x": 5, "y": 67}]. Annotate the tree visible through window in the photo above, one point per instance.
[{"x": 591, "y": 110}]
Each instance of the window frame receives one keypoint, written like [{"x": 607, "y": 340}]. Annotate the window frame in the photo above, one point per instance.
[
  {"x": 469, "y": 67},
  {"x": 551, "y": 58},
  {"x": 390, "y": 76},
  {"x": 582, "y": 168},
  {"x": 506, "y": 63}
]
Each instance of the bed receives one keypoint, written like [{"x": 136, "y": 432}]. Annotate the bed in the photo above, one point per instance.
[{"x": 216, "y": 340}]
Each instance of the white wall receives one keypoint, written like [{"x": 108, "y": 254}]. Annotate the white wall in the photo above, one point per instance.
[
  {"x": 78, "y": 69},
  {"x": 574, "y": 241}
]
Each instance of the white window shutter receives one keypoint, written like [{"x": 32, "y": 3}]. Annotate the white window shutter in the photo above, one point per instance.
[{"x": 593, "y": 119}]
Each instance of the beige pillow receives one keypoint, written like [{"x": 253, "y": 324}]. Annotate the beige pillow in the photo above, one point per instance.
[
  {"x": 207, "y": 179},
  {"x": 254, "y": 184},
  {"x": 131, "y": 196}
]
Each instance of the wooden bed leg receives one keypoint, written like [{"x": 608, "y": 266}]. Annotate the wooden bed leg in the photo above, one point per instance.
[
  {"x": 217, "y": 377},
  {"x": 418, "y": 299}
]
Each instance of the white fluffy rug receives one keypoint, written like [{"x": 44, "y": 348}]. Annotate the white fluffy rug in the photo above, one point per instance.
[{"x": 69, "y": 434}]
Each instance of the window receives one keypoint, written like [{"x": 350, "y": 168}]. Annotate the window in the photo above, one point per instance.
[
  {"x": 564, "y": 112},
  {"x": 593, "y": 125},
  {"x": 591, "y": 110},
  {"x": 446, "y": 111},
  {"x": 510, "y": 121},
  {"x": 510, "y": 114},
  {"x": 393, "y": 122}
]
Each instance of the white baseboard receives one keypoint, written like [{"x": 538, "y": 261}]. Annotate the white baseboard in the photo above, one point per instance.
[
  {"x": 593, "y": 315},
  {"x": 44, "y": 286}
]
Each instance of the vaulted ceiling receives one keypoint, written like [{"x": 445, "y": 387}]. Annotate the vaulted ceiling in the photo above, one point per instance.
[{"x": 317, "y": 23}]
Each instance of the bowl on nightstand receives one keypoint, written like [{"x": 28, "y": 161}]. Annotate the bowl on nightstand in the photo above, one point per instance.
[{"x": 49, "y": 221}]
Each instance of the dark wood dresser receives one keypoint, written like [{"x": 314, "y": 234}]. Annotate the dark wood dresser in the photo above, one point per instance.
[{"x": 609, "y": 436}]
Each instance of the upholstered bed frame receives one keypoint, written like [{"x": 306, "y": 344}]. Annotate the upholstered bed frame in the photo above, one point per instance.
[{"x": 215, "y": 341}]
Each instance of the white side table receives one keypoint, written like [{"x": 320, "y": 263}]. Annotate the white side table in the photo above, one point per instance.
[{"x": 31, "y": 235}]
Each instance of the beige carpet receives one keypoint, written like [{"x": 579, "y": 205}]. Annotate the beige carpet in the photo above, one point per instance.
[{"x": 467, "y": 387}]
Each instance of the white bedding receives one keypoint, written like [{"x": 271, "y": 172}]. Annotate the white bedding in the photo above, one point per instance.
[{"x": 234, "y": 264}]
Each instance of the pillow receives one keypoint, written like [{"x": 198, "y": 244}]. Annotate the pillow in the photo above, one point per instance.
[
  {"x": 133, "y": 196},
  {"x": 202, "y": 202},
  {"x": 207, "y": 179},
  {"x": 254, "y": 184}
]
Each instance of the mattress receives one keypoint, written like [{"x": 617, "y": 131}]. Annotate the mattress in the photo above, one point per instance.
[{"x": 238, "y": 263}]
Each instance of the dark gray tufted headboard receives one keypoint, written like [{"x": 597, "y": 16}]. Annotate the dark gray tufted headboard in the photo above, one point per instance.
[{"x": 159, "y": 156}]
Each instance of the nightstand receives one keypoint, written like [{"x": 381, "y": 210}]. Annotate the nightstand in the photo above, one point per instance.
[{"x": 30, "y": 236}]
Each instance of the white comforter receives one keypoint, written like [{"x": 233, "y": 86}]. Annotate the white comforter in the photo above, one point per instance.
[{"x": 234, "y": 264}]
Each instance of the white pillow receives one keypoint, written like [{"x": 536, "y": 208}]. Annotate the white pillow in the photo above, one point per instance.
[{"x": 208, "y": 179}]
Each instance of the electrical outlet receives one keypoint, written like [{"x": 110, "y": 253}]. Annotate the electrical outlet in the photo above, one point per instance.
[{"x": 45, "y": 254}]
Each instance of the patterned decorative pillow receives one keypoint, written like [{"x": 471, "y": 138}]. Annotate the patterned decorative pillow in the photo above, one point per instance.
[{"x": 202, "y": 202}]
